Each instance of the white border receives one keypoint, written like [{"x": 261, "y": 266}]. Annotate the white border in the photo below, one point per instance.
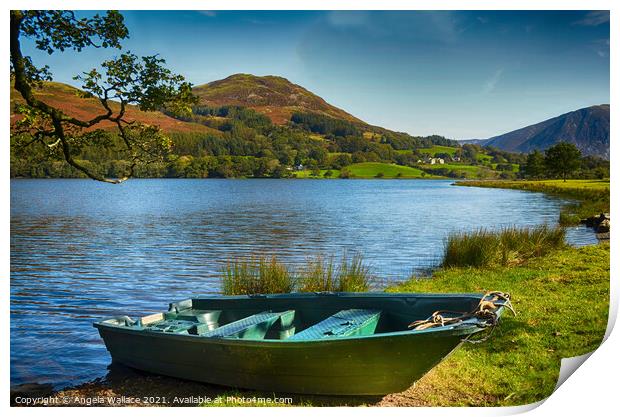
[{"x": 591, "y": 390}]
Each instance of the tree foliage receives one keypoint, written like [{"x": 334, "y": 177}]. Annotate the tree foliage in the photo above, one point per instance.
[
  {"x": 120, "y": 82},
  {"x": 562, "y": 159},
  {"x": 535, "y": 165}
]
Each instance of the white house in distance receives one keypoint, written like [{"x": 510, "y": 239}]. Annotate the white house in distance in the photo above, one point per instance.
[{"x": 432, "y": 161}]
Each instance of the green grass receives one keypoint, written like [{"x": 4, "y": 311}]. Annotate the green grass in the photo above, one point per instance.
[
  {"x": 515, "y": 167},
  {"x": 308, "y": 174},
  {"x": 562, "y": 302},
  {"x": 483, "y": 157},
  {"x": 372, "y": 169},
  {"x": 473, "y": 169},
  {"x": 462, "y": 170},
  {"x": 592, "y": 195},
  {"x": 438, "y": 149},
  {"x": 485, "y": 248},
  {"x": 366, "y": 170}
]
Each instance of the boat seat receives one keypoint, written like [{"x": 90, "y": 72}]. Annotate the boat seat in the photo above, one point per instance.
[
  {"x": 187, "y": 321},
  {"x": 345, "y": 323},
  {"x": 252, "y": 327},
  {"x": 177, "y": 326},
  {"x": 209, "y": 317}
]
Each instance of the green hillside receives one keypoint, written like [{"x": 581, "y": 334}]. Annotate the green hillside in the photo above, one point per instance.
[{"x": 437, "y": 149}]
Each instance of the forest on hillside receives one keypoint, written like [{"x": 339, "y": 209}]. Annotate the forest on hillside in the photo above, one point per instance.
[{"x": 245, "y": 143}]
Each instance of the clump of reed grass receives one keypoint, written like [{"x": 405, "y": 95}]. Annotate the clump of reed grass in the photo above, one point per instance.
[
  {"x": 320, "y": 274},
  {"x": 354, "y": 275},
  {"x": 256, "y": 275},
  {"x": 263, "y": 275},
  {"x": 512, "y": 245}
]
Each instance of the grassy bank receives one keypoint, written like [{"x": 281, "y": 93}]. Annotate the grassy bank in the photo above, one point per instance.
[
  {"x": 562, "y": 300},
  {"x": 592, "y": 195}
]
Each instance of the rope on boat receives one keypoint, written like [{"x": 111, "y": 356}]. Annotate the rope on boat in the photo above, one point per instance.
[{"x": 485, "y": 313}]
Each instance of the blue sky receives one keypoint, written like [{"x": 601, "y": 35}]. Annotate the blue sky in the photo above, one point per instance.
[{"x": 463, "y": 74}]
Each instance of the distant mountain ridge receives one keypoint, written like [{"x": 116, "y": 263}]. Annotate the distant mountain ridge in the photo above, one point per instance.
[{"x": 587, "y": 129}]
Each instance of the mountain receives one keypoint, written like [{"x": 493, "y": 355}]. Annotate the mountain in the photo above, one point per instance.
[
  {"x": 275, "y": 97},
  {"x": 586, "y": 128}
]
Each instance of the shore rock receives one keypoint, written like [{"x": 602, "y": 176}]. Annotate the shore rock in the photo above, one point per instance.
[
  {"x": 599, "y": 223},
  {"x": 603, "y": 227}
]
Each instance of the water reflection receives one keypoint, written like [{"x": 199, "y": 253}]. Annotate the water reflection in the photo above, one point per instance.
[{"x": 81, "y": 250}]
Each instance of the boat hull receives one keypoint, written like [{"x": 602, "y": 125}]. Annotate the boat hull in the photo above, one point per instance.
[{"x": 378, "y": 364}]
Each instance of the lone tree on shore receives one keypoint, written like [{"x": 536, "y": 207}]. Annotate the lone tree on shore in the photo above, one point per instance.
[
  {"x": 122, "y": 81},
  {"x": 562, "y": 159}
]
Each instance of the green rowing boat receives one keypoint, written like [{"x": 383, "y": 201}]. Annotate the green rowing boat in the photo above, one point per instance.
[{"x": 310, "y": 343}]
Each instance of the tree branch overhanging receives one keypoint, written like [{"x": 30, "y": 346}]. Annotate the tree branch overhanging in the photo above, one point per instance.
[{"x": 127, "y": 80}]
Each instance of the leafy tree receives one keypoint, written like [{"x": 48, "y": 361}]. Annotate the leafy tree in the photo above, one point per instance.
[
  {"x": 470, "y": 152},
  {"x": 123, "y": 81},
  {"x": 341, "y": 160},
  {"x": 345, "y": 173},
  {"x": 535, "y": 165},
  {"x": 562, "y": 159}
]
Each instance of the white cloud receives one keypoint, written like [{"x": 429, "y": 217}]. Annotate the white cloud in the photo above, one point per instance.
[
  {"x": 209, "y": 13},
  {"x": 594, "y": 18},
  {"x": 490, "y": 84},
  {"x": 601, "y": 46},
  {"x": 345, "y": 18}
]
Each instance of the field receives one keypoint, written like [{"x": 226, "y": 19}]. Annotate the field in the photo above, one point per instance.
[
  {"x": 472, "y": 169},
  {"x": 463, "y": 170},
  {"x": 375, "y": 169},
  {"x": 372, "y": 170},
  {"x": 306, "y": 173},
  {"x": 438, "y": 149}
]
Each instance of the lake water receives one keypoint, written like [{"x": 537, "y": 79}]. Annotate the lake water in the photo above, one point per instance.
[{"x": 82, "y": 251}]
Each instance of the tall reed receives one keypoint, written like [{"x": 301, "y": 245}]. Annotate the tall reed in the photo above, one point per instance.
[
  {"x": 256, "y": 275},
  {"x": 263, "y": 275},
  {"x": 484, "y": 248},
  {"x": 320, "y": 274}
]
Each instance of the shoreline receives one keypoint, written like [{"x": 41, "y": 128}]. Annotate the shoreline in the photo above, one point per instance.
[
  {"x": 592, "y": 197},
  {"x": 428, "y": 178}
]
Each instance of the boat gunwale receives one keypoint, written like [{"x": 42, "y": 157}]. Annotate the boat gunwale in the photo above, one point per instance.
[{"x": 460, "y": 329}]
